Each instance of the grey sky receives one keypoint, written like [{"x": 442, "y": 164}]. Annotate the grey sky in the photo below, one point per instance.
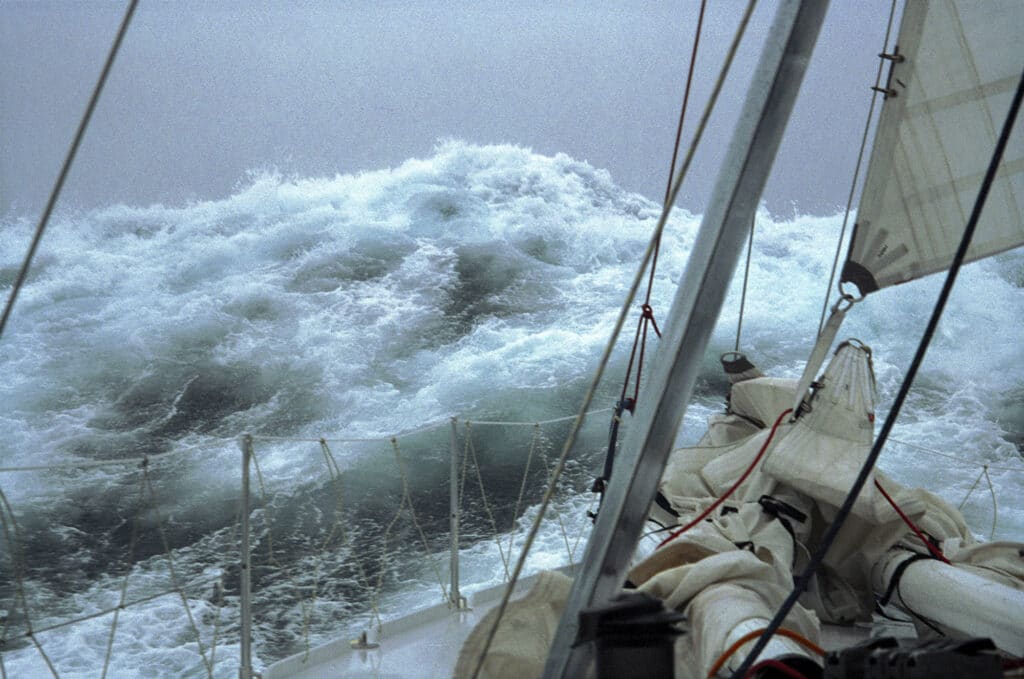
[{"x": 202, "y": 94}]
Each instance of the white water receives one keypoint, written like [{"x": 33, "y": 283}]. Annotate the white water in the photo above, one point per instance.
[{"x": 481, "y": 282}]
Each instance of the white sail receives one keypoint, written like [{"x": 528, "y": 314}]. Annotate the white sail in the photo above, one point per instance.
[{"x": 947, "y": 101}]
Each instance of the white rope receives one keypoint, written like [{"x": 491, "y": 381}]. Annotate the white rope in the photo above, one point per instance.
[
  {"x": 339, "y": 524},
  {"x": 293, "y": 439},
  {"x": 995, "y": 505},
  {"x": 124, "y": 582},
  {"x": 268, "y": 511},
  {"x": 13, "y": 538},
  {"x": 970, "y": 491},
  {"x": 535, "y": 441},
  {"x": 470, "y": 454},
  {"x": 954, "y": 457},
  {"x": 567, "y": 418},
  {"x": 407, "y": 500},
  {"x": 90, "y": 464},
  {"x": 171, "y": 570}
]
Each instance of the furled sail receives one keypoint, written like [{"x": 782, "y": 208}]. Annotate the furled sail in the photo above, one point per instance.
[{"x": 947, "y": 100}]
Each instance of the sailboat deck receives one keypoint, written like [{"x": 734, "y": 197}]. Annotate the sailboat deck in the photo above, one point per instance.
[
  {"x": 422, "y": 644},
  {"x": 426, "y": 643}
]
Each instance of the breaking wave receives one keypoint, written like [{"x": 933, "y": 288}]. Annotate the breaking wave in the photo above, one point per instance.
[{"x": 481, "y": 282}]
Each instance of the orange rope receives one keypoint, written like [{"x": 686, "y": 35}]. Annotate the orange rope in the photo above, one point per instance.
[
  {"x": 788, "y": 633},
  {"x": 777, "y": 666}
]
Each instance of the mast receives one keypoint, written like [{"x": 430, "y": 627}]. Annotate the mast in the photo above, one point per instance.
[{"x": 695, "y": 310}]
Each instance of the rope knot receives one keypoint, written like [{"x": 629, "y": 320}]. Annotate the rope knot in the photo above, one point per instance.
[{"x": 647, "y": 312}]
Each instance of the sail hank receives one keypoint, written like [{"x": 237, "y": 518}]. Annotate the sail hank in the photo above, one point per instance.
[{"x": 953, "y": 75}]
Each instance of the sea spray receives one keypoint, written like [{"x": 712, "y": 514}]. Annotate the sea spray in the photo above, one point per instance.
[{"x": 481, "y": 282}]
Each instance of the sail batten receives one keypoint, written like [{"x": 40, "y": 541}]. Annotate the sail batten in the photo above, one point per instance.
[{"x": 952, "y": 89}]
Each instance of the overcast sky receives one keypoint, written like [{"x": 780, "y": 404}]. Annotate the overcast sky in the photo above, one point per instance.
[{"x": 201, "y": 94}]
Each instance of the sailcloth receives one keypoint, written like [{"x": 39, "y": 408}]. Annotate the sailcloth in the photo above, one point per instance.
[{"x": 947, "y": 101}]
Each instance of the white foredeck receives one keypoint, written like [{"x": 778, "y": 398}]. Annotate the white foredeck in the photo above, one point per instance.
[
  {"x": 427, "y": 643},
  {"x": 423, "y": 644}
]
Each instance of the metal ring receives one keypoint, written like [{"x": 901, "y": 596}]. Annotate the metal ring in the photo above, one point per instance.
[
  {"x": 844, "y": 293},
  {"x": 848, "y": 299}
]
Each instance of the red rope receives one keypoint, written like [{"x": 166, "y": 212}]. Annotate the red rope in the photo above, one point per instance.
[
  {"x": 714, "y": 505},
  {"x": 936, "y": 552},
  {"x": 640, "y": 325},
  {"x": 647, "y": 317}
]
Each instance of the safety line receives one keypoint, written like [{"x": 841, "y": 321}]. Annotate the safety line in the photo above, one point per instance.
[
  {"x": 412, "y": 515},
  {"x": 171, "y": 570},
  {"x": 260, "y": 437},
  {"x": 92, "y": 464},
  {"x": 746, "y": 278},
  {"x": 956, "y": 458},
  {"x": 128, "y": 572},
  {"x": 477, "y": 423},
  {"x": 133, "y": 602}
]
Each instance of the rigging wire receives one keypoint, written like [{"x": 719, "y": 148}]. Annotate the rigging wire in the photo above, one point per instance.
[
  {"x": 746, "y": 278},
  {"x": 675, "y": 149},
  {"x": 856, "y": 169},
  {"x": 68, "y": 160},
  {"x": 833, "y": 530},
  {"x": 647, "y": 312},
  {"x": 620, "y": 321}
]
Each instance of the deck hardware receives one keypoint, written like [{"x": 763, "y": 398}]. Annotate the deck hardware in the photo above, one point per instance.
[{"x": 362, "y": 644}]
